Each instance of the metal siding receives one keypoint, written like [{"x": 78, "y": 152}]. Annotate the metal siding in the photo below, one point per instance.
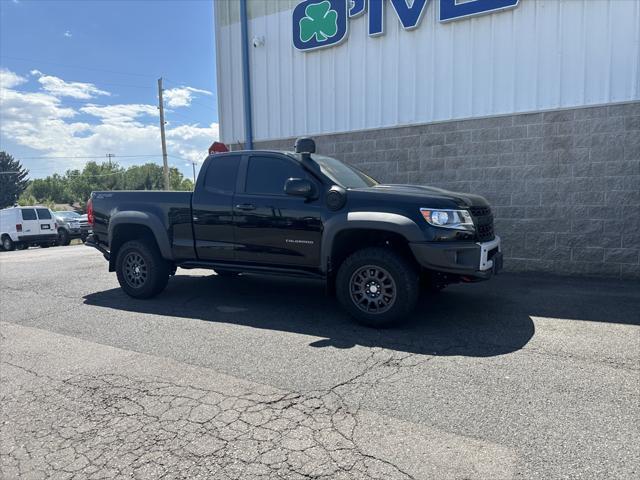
[{"x": 544, "y": 54}]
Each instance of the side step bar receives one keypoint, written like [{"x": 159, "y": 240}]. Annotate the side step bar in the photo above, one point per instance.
[{"x": 242, "y": 268}]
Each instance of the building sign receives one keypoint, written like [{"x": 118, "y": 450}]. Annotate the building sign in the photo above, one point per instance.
[{"x": 325, "y": 23}]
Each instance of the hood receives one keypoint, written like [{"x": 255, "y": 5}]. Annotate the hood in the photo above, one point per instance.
[{"x": 438, "y": 197}]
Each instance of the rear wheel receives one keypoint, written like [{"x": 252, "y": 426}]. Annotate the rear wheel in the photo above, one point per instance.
[
  {"x": 63, "y": 237},
  {"x": 141, "y": 270},
  {"x": 22, "y": 246},
  {"x": 377, "y": 286},
  {"x": 7, "y": 243}
]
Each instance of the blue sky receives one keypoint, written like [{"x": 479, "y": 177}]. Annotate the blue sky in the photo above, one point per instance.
[{"x": 79, "y": 79}]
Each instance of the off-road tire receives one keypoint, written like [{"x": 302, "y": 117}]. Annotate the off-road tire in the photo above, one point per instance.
[
  {"x": 156, "y": 269},
  {"x": 402, "y": 275},
  {"x": 63, "y": 237},
  {"x": 7, "y": 243}
]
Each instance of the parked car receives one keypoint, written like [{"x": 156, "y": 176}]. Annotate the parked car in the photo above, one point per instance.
[
  {"x": 299, "y": 214},
  {"x": 71, "y": 225},
  {"x": 21, "y": 227}
]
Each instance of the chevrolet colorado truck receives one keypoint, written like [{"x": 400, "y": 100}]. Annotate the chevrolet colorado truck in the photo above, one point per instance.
[{"x": 299, "y": 214}]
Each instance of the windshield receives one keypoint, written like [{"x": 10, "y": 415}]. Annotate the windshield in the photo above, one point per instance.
[
  {"x": 68, "y": 214},
  {"x": 343, "y": 174}
]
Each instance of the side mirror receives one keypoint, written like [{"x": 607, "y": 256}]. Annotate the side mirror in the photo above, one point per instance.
[{"x": 299, "y": 187}]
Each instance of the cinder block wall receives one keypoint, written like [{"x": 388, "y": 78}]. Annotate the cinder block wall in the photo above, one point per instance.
[{"x": 564, "y": 184}]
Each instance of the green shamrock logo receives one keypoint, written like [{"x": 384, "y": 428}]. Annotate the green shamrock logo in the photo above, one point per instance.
[{"x": 320, "y": 21}]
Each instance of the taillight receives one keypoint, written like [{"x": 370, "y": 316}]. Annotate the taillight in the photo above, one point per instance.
[
  {"x": 90, "y": 218},
  {"x": 18, "y": 227}
]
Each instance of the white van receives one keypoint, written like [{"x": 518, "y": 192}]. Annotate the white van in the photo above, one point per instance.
[{"x": 21, "y": 227}]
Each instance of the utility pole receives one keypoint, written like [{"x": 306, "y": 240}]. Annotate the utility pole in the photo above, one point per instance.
[
  {"x": 109, "y": 157},
  {"x": 193, "y": 164},
  {"x": 162, "y": 137}
]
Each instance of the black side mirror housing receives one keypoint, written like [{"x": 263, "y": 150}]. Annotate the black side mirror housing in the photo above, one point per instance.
[{"x": 299, "y": 187}]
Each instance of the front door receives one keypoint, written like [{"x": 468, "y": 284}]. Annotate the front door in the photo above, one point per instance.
[{"x": 272, "y": 227}]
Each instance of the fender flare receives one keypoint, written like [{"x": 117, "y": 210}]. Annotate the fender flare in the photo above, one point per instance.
[
  {"x": 152, "y": 222},
  {"x": 383, "y": 221}
]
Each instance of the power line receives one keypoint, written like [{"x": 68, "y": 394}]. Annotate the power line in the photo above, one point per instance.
[
  {"x": 86, "y": 157},
  {"x": 77, "y": 66}
]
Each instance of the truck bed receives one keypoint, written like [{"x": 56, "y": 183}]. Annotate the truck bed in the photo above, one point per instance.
[{"x": 169, "y": 211}]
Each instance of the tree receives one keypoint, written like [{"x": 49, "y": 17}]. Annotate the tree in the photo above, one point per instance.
[
  {"x": 54, "y": 188},
  {"x": 13, "y": 180},
  {"x": 75, "y": 186}
]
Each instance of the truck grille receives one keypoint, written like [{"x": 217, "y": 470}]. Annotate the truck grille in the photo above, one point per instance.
[{"x": 483, "y": 218}]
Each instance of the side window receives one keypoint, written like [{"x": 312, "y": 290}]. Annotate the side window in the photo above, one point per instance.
[
  {"x": 222, "y": 174},
  {"x": 267, "y": 175},
  {"x": 28, "y": 214},
  {"x": 43, "y": 213}
]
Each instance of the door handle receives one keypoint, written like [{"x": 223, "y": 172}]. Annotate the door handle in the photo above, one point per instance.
[{"x": 246, "y": 206}]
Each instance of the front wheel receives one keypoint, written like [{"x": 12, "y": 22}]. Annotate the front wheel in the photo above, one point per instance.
[
  {"x": 63, "y": 237},
  {"x": 141, "y": 270},
  {"x": 377, "y": 286}
]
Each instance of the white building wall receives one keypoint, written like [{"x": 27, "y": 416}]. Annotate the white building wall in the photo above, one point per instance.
[{"x": 544, "y": 54}]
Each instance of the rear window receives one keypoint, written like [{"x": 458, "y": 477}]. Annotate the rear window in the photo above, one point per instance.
[
  {"x": 28, "y": 214},
  {"x": 43, "y": 213},
  {"x": 222, "y": 173}
]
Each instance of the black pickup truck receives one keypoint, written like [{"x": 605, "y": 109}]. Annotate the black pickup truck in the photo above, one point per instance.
[{"x": 299, "y": 214}]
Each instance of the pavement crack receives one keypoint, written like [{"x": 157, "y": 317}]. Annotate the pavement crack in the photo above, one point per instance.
[{"x": 114, "y": 425}]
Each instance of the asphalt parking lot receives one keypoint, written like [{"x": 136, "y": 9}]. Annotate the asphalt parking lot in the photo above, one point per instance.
[{"x": 258, "y": 377}]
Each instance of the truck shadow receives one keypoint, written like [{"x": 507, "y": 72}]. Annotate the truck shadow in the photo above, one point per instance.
[{"x": 480, "y": 320}]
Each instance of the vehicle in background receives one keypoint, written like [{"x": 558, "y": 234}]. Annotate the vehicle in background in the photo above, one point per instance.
[
  {"x": 71, "y": 225},
  {"x": 21, "y": 227}
]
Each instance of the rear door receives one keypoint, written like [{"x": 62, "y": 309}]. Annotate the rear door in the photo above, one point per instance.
[
  {"x": 46, "y": 221},
  {"x": 30, "y": 223},
  {"x": 212, "y": 209},
  {"x": 272, "y": 227}
]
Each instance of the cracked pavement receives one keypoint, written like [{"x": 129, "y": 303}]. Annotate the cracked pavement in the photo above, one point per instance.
[{"x": 258, "y": 377}]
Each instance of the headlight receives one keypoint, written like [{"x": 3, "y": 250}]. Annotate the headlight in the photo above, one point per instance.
[{"x": 456, "y": 219}]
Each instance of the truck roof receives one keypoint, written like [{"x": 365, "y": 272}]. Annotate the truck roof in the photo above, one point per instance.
[{"x": 253, "y": 152}]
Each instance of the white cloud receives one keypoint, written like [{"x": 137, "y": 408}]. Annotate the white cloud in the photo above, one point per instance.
[
  {"x": 8, "y": 79},
  {"x": 191, "y": 142},
  {"x": 68, "y": 34},
  {"x": 120, "y": 114},
  {"x": 41, "y": 121},
  {"x": 182, "y": 96},
  {"x": 58, "y": 87}
]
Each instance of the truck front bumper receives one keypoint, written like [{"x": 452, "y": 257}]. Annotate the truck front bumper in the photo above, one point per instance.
[{"x": 475, "y": 260}]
